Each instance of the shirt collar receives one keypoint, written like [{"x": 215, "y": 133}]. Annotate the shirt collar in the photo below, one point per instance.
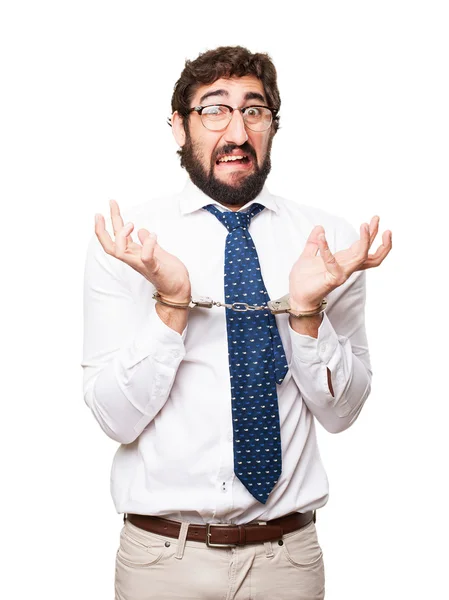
[{"x": 192, "y": 199}]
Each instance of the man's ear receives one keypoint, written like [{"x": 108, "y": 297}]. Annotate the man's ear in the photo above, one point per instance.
[{"x": 178, "y": 129}]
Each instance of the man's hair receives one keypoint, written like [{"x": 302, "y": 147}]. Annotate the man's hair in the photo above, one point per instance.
[{"x": 223, "y": 62}]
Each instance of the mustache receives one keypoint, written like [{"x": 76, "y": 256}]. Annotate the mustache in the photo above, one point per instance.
[{"x": 228, "y": 148}]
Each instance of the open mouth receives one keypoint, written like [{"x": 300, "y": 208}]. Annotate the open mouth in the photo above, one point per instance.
[{"x": 235, "y": 161}]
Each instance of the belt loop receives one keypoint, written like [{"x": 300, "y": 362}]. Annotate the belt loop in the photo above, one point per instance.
[
  {"x": 267, "y": 545},
  {"x": 242, "y": 535},
  {"x": 124, "y": 517},
  {"x": 314, "y": 516},
  {"x": 182, "y": 539},
  {"x": 268, "y": 549}
]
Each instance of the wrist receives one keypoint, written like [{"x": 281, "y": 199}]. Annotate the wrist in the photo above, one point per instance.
[
  {"x": 308, "y": 310},
  {"x": 309, "y": 326},
  {"x": 181, "y": 298},
  {"x": 304, "y": 306},
  {"x": 172, "y": 317}
]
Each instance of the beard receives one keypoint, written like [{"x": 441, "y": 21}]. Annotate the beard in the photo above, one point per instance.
[{"x": 243, "y": 191}]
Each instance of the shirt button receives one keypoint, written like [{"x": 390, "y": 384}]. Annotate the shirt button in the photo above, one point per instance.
[
  {"x": 323, "y": 348},
  {"x": 230, "y": 437},
  {"x": 175, "y": 353}
]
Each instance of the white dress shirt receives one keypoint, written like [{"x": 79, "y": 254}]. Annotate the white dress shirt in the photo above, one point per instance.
[{"x": 166, "y": 397}]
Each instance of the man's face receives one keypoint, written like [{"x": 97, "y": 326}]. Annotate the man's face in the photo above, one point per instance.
[{"x": 205, "y": 153}]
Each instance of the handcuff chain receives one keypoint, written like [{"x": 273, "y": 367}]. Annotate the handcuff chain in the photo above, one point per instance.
[{"x": 235, "y": 306}]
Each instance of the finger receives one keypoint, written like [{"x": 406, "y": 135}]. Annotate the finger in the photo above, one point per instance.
[
  {"x": 121, "y": 240},
  {"x": 329, "y": 259},
  {"x": 116, "y": 217},
  {"x": 373, "y": 229},
  {"x": 148, "y": 247},
  {"x": 103, "y": 236},
  {"x": 312, "y": 246},
  {"x": 365, "y": 241},
  {"x": 374, "y": 260}
]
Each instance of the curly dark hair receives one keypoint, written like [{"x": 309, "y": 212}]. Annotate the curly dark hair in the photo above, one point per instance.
[{"x": 225, "y": 61}]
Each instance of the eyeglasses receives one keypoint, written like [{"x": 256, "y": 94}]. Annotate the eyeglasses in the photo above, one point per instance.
[{"x": 217, "y": 117}]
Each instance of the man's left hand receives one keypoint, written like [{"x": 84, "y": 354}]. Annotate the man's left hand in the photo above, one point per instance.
[{"x": 313, "y": 276}]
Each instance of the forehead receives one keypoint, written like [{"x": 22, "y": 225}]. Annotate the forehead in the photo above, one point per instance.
[{"x": 229, "y": 89}]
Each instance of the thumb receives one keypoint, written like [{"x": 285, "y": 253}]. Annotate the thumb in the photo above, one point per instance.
[
  {"x": 311, "y": 247},
  {"x": 143, "y": 234}
]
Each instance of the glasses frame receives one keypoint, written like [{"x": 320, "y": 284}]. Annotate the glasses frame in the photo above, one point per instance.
[{"x": 242, "y": 109}]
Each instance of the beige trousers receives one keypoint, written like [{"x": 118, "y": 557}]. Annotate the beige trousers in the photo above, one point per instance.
[{"x": 150, "y": 566}]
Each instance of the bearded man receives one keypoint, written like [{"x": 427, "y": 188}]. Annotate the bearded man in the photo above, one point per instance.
[{"x": 214, "y": 345}]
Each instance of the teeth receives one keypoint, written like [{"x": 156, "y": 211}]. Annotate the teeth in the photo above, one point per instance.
[{"x": 228, "y": 158}]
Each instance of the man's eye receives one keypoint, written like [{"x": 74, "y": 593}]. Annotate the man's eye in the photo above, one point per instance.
[
  {"x": 214, "y": 110},
  {"x": 253, "y": 111}
]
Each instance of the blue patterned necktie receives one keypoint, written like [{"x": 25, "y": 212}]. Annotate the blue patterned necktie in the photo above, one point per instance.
[{"x": 256, "y": 360}]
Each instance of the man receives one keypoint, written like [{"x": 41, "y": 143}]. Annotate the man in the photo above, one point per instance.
[{"x": 214, "y": 406}]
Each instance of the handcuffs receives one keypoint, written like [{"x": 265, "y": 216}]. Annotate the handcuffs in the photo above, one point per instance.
[{"x": 276, "y": 307}]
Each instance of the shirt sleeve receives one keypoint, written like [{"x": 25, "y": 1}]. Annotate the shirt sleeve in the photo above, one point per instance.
[
  {"x": 129, "y": 360},
  {"x": 342, "y": 348}
]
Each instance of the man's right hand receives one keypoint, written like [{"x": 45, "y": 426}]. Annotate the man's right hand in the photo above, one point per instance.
[{"x": 166, "y": 272}]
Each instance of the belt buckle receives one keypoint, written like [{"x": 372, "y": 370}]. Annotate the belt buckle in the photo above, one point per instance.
[{"x": 208, "y": 534}]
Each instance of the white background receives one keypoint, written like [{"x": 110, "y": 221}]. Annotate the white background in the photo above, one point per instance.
[{"x": 86, "y": 89}]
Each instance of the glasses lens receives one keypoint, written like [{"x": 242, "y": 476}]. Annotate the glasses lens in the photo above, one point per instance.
[
  {"x": 258, "y": 118},
  {"x": 215, "y": 117}
]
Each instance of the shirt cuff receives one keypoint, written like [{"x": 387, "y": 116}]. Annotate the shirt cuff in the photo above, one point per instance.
[{"x": 308, "y": 349}]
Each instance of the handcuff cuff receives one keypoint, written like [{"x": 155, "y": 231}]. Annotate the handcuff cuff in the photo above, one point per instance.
[{"x": 276, "y": 307}]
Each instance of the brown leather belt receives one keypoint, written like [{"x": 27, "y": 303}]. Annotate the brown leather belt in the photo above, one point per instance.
[{"x": 224, "y": 534}]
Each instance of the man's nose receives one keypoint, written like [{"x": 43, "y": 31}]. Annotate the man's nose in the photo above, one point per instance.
[{"x": 235, "y": 132}]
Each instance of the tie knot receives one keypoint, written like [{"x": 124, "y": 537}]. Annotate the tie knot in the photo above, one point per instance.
[{"x": 233, "y": 220}]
